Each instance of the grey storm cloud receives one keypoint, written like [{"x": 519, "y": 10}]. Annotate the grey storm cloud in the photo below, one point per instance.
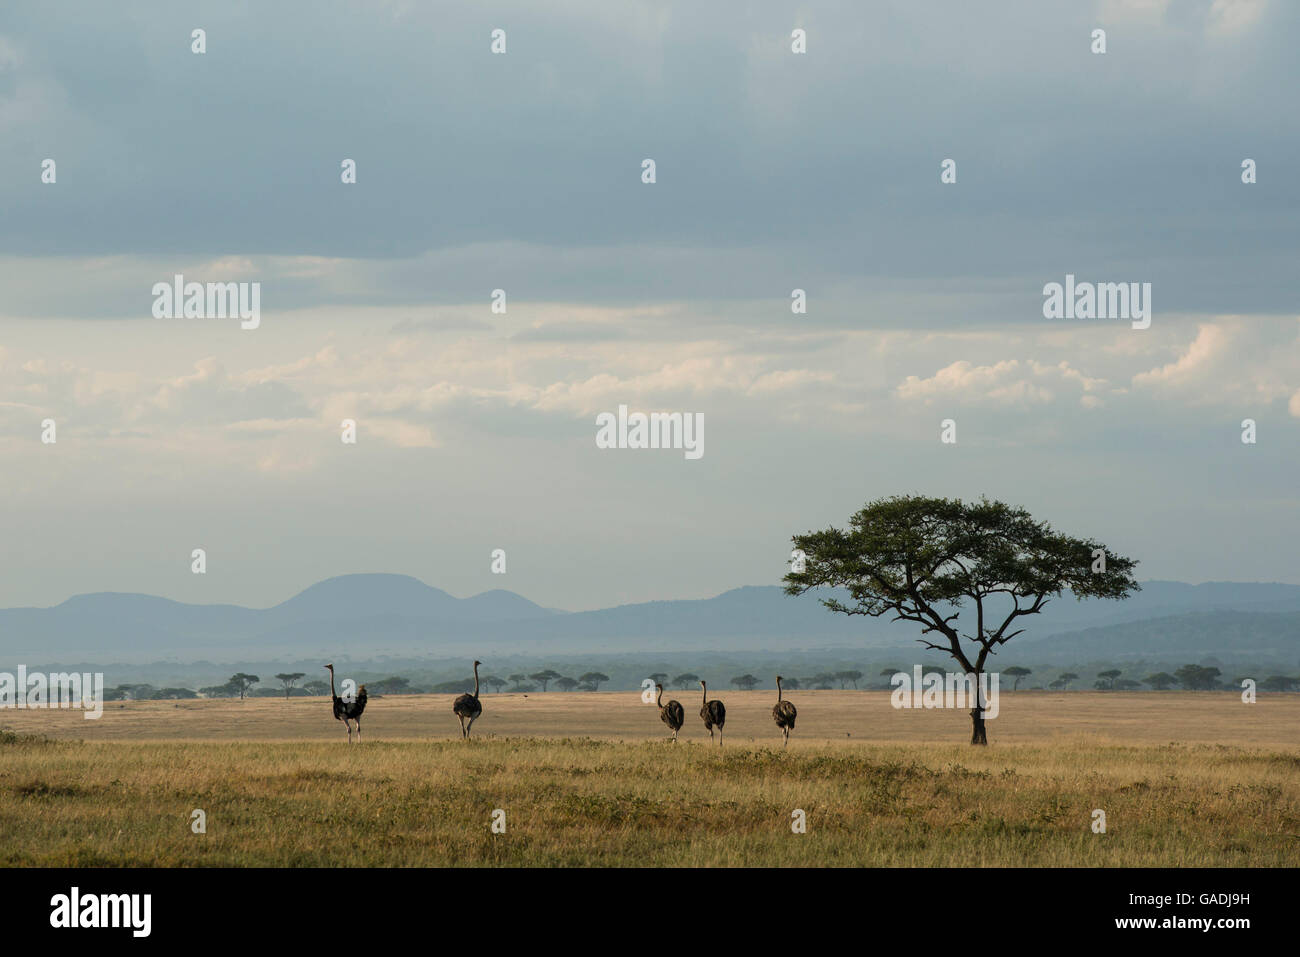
[{"x": 826, "y": 164}]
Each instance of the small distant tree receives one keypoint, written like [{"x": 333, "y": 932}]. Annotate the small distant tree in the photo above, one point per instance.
[
  {"x": 1065, "y": 678},
  {"x": 745, "y": 682},
  {"x": 682, "y": 681},
  {"x": 172, "y": 694},
  {"x": 289, "y": 679},
  {"x": 394, "y": 685},
  {"x": 595, "y": 679},
  {"x": 1161, "y": 680},
  {"x": 659, "y": 677},
  {"x": 1107, "y": 682},
  {"x": 851, "y": 676},
  {"x": 525, "y": 688},
  {"x": 1057, "y": 685},
  {"x": 241, "y": 682},
  {"x": 518, "y": 680},
  {"x": 1016, "y": 672},
  {"x": 495, "y": 683},
  {"x": 1198, "y": 677},
  {"x": 316, "y": 686},
  {"x": 565, "y": 683},
  {"x": 544, "y": 678},
  {"x": 1279, "y": 683},
  {"x": 790, "y": 684},
  {"x": 1126, "y": 684}
]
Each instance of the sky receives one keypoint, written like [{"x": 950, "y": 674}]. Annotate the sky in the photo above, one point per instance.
[{"x": 522, "y": 171}]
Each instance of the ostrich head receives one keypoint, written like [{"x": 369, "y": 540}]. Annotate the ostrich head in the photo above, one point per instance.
[
  {"x": 361, "y": 690},
  {"x": 659, "y": 687},
  {"x": 779, "y": 679},
  {"x": 477, "y": 663},
  {"x": 330, "y": 667}
]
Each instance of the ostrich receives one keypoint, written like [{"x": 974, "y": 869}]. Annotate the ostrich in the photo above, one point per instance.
[
  {"x": 671, "y": 713},
  {"x": 784, "y": 713},
  {"x": 468, "y": 706},
  {"x": 348, "y": 711},
  {"x": 713, "y": 713}
]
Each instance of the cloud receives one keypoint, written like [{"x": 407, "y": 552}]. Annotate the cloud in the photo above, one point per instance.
[
  {"x": 1008, "y": 382},
  {"x": 1228, "y": 17},
  {"x": 1230, "y": 360}
]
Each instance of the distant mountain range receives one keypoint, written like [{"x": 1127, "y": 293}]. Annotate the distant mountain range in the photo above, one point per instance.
[{"x": 376, "y": 615}]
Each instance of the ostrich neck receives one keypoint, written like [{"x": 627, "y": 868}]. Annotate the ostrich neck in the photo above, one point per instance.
[
  {"x": 705, "y": 693},
  {"x": 476, "y": 681},
  {"x": 778, "y": 692},
  {"x": 659, "y": 699},
  {"x": 333, "y": 694}
]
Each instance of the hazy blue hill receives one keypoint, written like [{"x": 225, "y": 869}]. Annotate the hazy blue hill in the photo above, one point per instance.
[
  {"x": 373, "y": 593},
  {"x": 379, "y": 614},
  {"x": 1241, "y": 634}
]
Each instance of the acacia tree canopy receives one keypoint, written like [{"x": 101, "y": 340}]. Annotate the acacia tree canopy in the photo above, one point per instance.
[{"x": 962, "y": 571}]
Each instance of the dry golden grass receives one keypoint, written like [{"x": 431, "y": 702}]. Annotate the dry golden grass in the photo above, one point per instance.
[
  {"x": 1026, "y": 717},
  {"x": 903, "y": 790}
]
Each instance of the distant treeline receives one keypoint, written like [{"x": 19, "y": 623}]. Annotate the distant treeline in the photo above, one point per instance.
[{"x": 1189, "y": 677}]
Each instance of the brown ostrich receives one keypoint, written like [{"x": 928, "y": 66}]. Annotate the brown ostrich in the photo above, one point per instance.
[
  {"x": 783, "y": 713},
  {"x": 714, "y": 714},
  {"x": 468, "y": 706},
  {"x": 348, "y": 711},
  {"x": 672, "y": 713}
]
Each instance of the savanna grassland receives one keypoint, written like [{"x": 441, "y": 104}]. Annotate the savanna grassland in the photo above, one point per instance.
[{"x": 1185, "y": 779}]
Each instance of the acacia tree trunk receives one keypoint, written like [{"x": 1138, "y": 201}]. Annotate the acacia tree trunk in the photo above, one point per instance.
[{"x": 979, "y": 734}]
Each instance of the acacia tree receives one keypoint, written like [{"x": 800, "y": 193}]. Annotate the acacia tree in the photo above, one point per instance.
[
  {"x": 1198, "y": 677},
  {"x": 289, "y": 679},
  {"x": 1160, "y": 680},
  {"x": 544, "y": 678},
  {"x": 1016, "y": 672},
  {"x": 930, "y": 560},
  {"x": 241, "y": 682},
  {"x": 595, "y": 679}
]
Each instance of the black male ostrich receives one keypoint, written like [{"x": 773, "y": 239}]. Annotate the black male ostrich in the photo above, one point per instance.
[
  {"x": 672, "y": 713},
  {"x": 713, "y": 713},
  {"x": 468, "y": 706},
  {"x": 784, "y": 713},
  {"x": 348, "y": 711}
]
